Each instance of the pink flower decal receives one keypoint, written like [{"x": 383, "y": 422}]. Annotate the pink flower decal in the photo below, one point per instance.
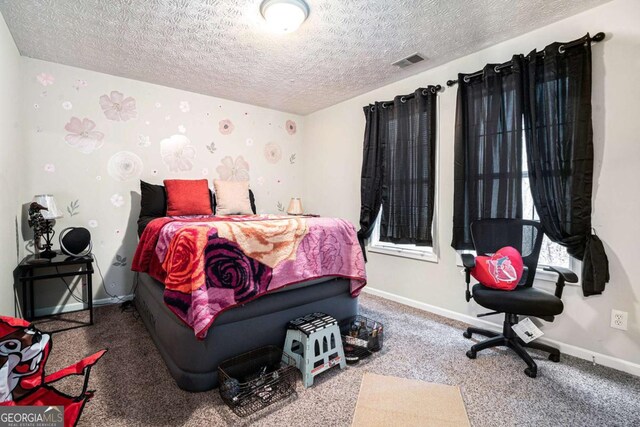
[
  {"x": 231, "y": 170},
  {"x": 45, "y": 79},
  {"x": 117, "y": 107},
  {"x": 291, "y": 127},
  {"x": 225, "y": 127},
  {"x": 272, "y": 152},
  {"x": 82, "y": 135}
]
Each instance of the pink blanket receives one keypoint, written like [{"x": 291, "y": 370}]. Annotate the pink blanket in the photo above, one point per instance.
[{"x": 211, "y": 264}]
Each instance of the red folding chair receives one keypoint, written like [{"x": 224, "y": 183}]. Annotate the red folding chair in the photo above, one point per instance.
[{"x": 23, "y": 353}]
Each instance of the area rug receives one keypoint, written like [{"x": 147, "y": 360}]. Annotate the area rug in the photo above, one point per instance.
[{"x": 385, "y": 401}]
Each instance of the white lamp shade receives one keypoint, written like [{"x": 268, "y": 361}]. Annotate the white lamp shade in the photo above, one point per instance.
[
  {"x": 284, "y": 16},
  {"x": 295, "y": 207},
  {"x": 49, "y": 202}
]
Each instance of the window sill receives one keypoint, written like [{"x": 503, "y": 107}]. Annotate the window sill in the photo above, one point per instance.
[{"x": 428, "y": 256}]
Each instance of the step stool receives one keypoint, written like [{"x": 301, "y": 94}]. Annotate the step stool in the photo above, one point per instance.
[{"x": 314, "y": 342}]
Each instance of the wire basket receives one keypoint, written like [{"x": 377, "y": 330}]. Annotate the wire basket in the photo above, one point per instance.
[
  {"x": 255, "y": 380},
  {"x": 361, "y": 337}
]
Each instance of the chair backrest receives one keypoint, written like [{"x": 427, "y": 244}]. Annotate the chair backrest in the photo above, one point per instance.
[{"x": 489, "y": 235}]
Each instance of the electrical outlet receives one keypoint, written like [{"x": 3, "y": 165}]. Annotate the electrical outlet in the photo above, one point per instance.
[{"x": 619, "y": 319}]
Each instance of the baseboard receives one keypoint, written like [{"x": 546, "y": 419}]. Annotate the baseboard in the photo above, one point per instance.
[
  {"x": 572, "y": 350},
  {"x": 59, "y": 309}
]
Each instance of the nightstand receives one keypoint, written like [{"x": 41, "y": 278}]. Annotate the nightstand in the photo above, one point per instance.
[{"x": 29, "y": 272}]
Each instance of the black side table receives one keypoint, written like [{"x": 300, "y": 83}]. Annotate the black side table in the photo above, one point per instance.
[{"x": 30, "y": 272}]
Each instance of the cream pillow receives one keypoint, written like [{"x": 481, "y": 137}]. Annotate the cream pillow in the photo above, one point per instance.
[{"x": 232, "y": 197}]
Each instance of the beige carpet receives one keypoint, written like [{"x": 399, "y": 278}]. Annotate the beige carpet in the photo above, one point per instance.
[
  {"x": 134, "y": 388},
  {"x": 387, "y": 401}
]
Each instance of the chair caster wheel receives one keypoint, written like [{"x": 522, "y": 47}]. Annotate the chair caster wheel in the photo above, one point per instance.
[
  {"x": 466, "y": 334},
  {"x": 530, "y": 373},
  {"x": 554, "y": 357},
  {"x": 471, "y": 354}
]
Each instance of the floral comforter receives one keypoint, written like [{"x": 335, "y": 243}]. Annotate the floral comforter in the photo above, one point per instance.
[{"x": 210, "y": 264}]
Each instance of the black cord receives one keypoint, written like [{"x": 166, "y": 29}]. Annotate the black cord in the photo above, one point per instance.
[
  {"x": 77, "y": 298},
  {"x": 104, "y": 285}
]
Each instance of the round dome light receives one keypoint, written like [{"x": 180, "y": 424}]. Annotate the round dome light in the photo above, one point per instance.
[{"x": 284, "y": 16}]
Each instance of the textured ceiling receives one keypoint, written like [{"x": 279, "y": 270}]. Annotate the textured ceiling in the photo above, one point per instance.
[{"x": 223, "y": 47}]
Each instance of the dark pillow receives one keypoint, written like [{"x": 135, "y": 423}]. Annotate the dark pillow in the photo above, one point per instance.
[
  {"x": 153, "y": 201},
  {"x": 252, "y": 200}
]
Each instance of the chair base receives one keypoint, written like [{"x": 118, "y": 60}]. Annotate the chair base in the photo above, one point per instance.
[{"x": 509, "y": 339}]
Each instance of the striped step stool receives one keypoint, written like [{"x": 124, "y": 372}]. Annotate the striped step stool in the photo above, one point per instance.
[{"x": 314, "y": 342}]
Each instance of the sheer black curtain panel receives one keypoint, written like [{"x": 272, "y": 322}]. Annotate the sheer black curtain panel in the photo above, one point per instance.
[
  {"x": 398, "y": 168},
  {"x": 376, "y": 134},
  {"x": 488, "y": 149},
  {"x": 409, "y": 171},
  {"x": 559, "y": 141}
]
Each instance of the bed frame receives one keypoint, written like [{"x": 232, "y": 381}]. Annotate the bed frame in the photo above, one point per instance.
[{"x": 193, "y": 363}]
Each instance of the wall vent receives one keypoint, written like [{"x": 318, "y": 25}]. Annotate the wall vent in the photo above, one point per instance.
[{"x": 409, "y": 60}]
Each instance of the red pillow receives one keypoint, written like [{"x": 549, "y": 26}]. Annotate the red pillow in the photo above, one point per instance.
[
  {"x": 503, "y": 270},
  {"x": 187, "y": 197}
]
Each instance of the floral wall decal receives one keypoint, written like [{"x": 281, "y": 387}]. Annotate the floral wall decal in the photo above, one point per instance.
[
  {"x": 177, "y": 153},
  {"x": 144, "y": 140},
  {"x": 73, "y": 207},
  {"x": 233, "y": 170},
  {"x": 120, "y": 261},
  {"x": 280, "y": 207},
  {"x": 117, "y": 200},
  {"x": 272, "y": 152},
  {"x": 103, "y": 133},
  {"x": 116, "y": 107},
  {"x": 124, "y": 165},
  {"x": 291, "y": 127},
  {"x": 292, "y": 158},
  {"x": 45, "y": 79},
  {"x": 82, "y": 135},
  {"x": 225, "y": 127}
]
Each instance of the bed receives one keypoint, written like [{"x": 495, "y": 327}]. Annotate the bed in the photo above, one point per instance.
[{"x": 214, "y": 287}]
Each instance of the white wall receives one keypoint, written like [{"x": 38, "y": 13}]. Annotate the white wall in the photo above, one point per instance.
[
  {"x": 333, "y": 139},
  {"x": 108, "y": 198},
  {"x": 11, "y": 163}
]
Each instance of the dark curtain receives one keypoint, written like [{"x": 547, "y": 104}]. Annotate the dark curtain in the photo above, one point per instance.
[
  {"x": 375, "y": 140},
  {"x": 488, "y": 149},
  {"x": 409, "y": 172},
  {"x": 559, "y": 141}
]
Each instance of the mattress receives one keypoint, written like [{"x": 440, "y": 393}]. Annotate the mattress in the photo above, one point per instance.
[{"x": 193, "y": 363}]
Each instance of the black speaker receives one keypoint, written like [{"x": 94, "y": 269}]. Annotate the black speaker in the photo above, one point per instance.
[{"x": 75, "y": 241}]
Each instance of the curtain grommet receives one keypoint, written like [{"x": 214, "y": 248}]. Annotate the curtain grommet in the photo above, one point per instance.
[
  {"x": 373, "y": 109},
  {"x": 403, "y": 99},
  {"x": 424, "y": 92},
  {"x": 561, "y": 49},
  {"x": 466, "y": 79},
  {"x": 496, "y": 69}
]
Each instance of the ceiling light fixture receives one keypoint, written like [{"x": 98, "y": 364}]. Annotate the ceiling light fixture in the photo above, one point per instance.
[{"x": 284, "y": 16}]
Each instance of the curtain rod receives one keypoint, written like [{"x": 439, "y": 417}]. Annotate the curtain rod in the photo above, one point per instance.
[
  {"x": 404, "y": 98},
  {"x": 595, "y": 39}
]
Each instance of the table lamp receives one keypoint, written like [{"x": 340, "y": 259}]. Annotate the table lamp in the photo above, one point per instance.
[
  {"x": 295, "y": 206},
  {"x": 42, "y": 224}
]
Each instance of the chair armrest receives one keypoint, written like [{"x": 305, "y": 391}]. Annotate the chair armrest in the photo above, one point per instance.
[
  {"x": 568, "y": 275},
  {"x": 468, "y": 261},
  {"x": 564, "y": 275}
]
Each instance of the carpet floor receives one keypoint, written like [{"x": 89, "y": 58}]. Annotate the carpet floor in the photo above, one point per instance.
[{"x": 133, "y": 386}]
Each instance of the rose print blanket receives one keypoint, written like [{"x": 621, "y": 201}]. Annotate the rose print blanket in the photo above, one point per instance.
[{"x": 210, "y": 264}]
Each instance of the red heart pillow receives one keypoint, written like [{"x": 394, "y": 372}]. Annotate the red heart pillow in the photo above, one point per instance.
[{"x": 502, "y": 270}]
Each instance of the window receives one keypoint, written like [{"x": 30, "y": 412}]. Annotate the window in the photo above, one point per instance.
[
  {"x": 551, "y": 253},
  {"x": 423, "y": 253}
]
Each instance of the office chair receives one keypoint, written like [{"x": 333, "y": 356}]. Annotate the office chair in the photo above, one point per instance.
[{"x": 489, "y": 235}]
